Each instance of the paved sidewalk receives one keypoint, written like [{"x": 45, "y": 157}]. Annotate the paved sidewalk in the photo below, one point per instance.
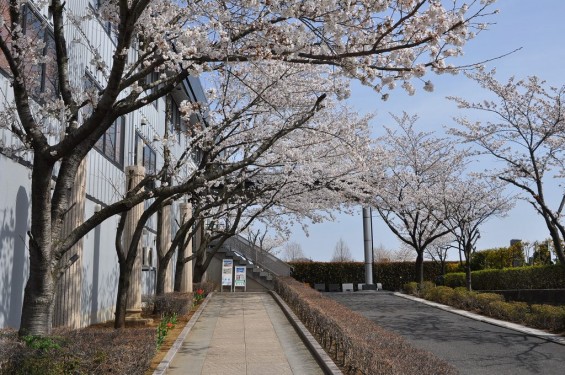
[{"x": 243, "y": 333}]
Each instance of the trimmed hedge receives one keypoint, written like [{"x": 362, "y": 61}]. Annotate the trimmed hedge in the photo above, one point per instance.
[
  {"x": 491, "y": 304},
  {"x": 392, "y": 275},
  {"x": 531, "y": 277},
  {"x": 83, "y": 351},
  {"x": 355, "y": 342}
]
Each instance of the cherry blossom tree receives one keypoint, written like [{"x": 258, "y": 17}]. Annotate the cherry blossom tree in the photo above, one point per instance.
[
  {"x": 438, "y": 250},
  {"x": 470, "y": 202},
  {"x": 525, "y": 135},
  {"x": 378, "y": 43},
  {"x": 414, "y": 177}
]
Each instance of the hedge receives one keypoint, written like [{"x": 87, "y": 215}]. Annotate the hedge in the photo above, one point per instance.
[
  {"x": 391, "y": 275},
  {"x": 355, "y": 342},
  {"x": 547, "y": 317},
  {"x": 530, "y": 277}
]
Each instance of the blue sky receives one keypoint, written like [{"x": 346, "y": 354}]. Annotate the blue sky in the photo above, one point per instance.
[{"x": 535, "y": 26}]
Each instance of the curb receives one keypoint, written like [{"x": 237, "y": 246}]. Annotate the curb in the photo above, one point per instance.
[
  {"x": 166, "y": 362},
  {"x": 323, "y": 359},
  {"x": 481, "y": 318}
]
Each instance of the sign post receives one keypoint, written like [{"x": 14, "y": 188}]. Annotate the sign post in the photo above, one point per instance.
[
  {"x": 227, "y": 274},
  {"x": 240, "y": 277}
]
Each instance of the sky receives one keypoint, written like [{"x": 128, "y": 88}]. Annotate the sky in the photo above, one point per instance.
[{"x": 535, "y": 26}]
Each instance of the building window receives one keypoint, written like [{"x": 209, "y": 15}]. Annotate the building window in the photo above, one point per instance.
[
  {"x": 109, "y": 28},
  {"x": 111, "y": 144},
  {"x": 149, "y": 79},
  {"x": 34, "y": 26},
  {"x": 145, "y": 155},
  {"x": 174, "y": 118}
]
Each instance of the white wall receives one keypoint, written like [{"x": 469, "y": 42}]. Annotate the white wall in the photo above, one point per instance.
[{"x": 14, "y": 224}]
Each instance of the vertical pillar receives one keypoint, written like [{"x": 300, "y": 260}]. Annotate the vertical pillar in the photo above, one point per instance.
[
  {"x": 368, "y": 245},
  {"x": 165, "y": 243},
  {"x": 186, "y": 280},
  {"x": 134, "y": 174},
  {"x": 69, "y": 287}
]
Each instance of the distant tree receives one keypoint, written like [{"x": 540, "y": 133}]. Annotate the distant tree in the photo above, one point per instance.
[
  {"x": 292, "y": 252},
  {"x": 416, "y": 168},
  {"x": 470, "y": 202},
  {"x": 342, "y": 253},
  {"x": 541, "y": 254},
  {"x": 498, "y": 258},
  {"x": 437, "y": 251}
]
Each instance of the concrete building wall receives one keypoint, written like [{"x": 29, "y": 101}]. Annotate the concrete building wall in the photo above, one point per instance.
[{"x": 14, "y": 224}]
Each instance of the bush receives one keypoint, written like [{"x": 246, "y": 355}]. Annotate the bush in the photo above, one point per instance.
[
  {"x": 531, "y": 277},
  {"x": 170, "y": 304},
  {"x": 354, "y": 341},
  {"x": 411, "y": 288},
  {"x": 454, "y": 280},
  {"x": 440, "y": 294},
  {"x": 85, "y": 351},
  {"x": 547, "y": 317}
]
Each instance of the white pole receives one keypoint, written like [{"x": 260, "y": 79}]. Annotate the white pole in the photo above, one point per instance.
[{"x": 368, "y": 242}]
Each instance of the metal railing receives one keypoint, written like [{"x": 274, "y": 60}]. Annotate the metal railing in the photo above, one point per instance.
[{"x": 255, "y": 255}]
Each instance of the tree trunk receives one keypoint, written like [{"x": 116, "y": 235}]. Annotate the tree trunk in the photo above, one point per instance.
[
  {"x": 161, "y": 277},
  {"x": 39, "y": 298},
  {"x": 198, "y": 273},
  {"x": 179, "y": 269},
  {"x": 420, "y": 267},
  {"x": 122, "y": 298},
  {"x": 468, "y": 250}
]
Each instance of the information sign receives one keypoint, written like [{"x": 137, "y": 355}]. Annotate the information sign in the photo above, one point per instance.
[
  {"x": 240, "y": 276},
  {"x": 227, "y": 269}
]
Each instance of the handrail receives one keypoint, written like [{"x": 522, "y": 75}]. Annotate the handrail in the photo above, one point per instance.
[{"x": 257, "y": 256}]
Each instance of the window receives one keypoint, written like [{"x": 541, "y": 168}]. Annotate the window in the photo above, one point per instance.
[
  {"x": 174, "y": 117},
  {"x": 111, "y": 144},
  {"x": 149, "y": 79},
  {"x": 35, "y": 27},
  {"x": 145, "y": 155},
  {"x": 108, "y": 26}
]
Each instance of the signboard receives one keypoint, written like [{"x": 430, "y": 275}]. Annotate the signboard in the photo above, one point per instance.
[
  {"x": 240, "y": 276},
  {"x": 227, "y": 268}
]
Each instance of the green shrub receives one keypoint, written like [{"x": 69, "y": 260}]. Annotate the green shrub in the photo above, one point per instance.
[
  {"x": 454, "y": 280},
  {"x": 411, "y": 288},
  {"x": 440, "y": 294},
  {"x": 531, "y": 277},
  {"x": 491, "y": 304},
  {"x": 482, "y": 300},
  {"x": 548, "y": 317}
]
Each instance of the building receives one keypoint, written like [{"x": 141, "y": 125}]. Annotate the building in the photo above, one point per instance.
[{"x": 90, "y": 284}]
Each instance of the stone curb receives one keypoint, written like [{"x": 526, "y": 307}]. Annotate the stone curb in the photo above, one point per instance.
[
  {"x": 323, "y": 359},
  {"x": 166, "y": 362},
  {"x": 501, "y": 323}
]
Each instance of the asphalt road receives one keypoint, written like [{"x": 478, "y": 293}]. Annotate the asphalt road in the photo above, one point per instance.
[{"x": 471, "y": 346}]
